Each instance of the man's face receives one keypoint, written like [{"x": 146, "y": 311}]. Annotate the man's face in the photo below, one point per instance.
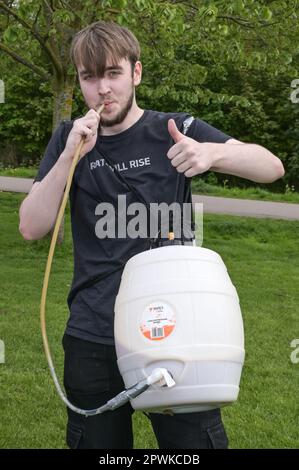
[{"x": 116, "y": 88}]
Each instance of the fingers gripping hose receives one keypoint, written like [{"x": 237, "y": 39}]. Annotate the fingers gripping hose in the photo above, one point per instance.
[{"x": 126, "y": 395}]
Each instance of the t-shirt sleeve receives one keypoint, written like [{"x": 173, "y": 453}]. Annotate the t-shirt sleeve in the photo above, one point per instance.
[
  {"x": 204, "y": 132},
  {"x": 54, "y": 149}
]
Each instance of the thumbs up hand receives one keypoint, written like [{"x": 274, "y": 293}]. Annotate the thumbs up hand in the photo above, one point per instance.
[{"x": 187, "y": 155}]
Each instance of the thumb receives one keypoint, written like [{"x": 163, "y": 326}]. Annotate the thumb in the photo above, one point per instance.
[{"x": 174, "y": 132}]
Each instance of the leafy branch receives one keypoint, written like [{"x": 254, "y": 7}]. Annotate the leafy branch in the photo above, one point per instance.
[
  {"x": 42, "y": 73},
  {"x": 34, "y": 32}
]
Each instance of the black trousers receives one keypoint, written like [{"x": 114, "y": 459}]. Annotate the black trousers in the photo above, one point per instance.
[{"x": 91, "y": 378}]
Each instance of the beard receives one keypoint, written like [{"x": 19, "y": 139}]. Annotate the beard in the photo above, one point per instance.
[{"x": 121, "y": 115}]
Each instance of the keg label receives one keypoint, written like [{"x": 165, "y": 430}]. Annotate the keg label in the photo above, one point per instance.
[{"x": 157, "y": 321}]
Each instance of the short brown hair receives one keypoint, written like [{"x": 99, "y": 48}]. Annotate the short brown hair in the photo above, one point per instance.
[{"x": 99, "y": 42}]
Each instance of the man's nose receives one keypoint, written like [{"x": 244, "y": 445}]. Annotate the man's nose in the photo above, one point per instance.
[{"x": 103, "y": 86}]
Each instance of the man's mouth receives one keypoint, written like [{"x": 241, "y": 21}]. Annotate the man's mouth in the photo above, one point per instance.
[{"x": 107, "y": 104}]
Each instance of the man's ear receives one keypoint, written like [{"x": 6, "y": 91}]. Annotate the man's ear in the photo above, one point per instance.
[{"x": 137, "y": 73}]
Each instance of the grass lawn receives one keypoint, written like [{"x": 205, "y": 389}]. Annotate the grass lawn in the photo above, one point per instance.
[
  {"x": 199, "y": 186},
  {"x": 262, "y": 257},
  {"x": 19, "y": 172}
]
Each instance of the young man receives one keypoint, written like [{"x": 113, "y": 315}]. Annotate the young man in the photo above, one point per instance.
[{"x": 141, "y": 154}]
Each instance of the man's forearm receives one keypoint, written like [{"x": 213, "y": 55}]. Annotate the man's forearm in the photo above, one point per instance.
[
  {"x": 39, "y": 210},
  {"x": 248, "y": 161}
]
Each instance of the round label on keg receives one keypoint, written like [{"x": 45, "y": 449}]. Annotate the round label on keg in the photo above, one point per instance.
[{"x": 157, "y": 321}]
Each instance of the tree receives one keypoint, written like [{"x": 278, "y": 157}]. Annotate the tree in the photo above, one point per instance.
[
  {"x": 230, "y": 63},
  {"x": 47, "y": 28}
]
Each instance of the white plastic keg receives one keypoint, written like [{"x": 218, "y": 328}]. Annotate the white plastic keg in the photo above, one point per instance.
[{"x": 177, "y": 308}]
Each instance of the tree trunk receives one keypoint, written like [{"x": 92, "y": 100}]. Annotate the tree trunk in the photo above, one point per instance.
[{"x": 63, "y": 98}]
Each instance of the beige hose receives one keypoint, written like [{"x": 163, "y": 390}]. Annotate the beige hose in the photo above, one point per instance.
[{"x": 50, "y": 258}]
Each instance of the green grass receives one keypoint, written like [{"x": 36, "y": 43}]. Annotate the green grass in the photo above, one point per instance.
[
  {"x": 19, "y": 172},
  {"x": 201, "y": 187},
  {"x": 263, "y": 261}
]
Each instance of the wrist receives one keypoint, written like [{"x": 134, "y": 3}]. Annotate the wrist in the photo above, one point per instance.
[
  {"x": 217, "y": 152},
  {"x": 64, "y": 164},
  {"x": 66, "y": 157}
]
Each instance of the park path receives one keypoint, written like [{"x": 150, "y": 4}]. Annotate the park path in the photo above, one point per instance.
[{"x": 211, "y": 204}]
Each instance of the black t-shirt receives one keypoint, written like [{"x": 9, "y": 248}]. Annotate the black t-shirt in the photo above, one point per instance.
[{"x": 140, "y": 156}]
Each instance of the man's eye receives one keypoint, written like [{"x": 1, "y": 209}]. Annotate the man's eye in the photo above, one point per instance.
[{"x": 113, "y": 73}]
